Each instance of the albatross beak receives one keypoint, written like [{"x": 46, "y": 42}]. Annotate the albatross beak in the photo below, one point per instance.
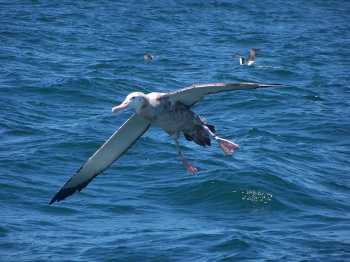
[{"x": 120, "y": 107}]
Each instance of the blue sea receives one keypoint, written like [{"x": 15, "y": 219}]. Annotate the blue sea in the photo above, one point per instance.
[{"x": 283, "y": 196}]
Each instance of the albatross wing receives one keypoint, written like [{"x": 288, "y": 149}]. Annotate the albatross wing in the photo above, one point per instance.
[
  {"x": 251, "y": 55},
  {"x": 110, "y": 151},
  {"x": 191, "y": 95}
]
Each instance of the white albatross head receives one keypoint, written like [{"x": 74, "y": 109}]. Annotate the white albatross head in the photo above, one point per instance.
[{"x": 135, "y": 100}]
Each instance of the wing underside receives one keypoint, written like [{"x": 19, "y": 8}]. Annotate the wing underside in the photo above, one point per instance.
[{"x": 109, "y": 152}]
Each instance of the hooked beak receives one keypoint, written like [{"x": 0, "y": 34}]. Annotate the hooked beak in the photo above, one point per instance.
[{"x": 120, "y": 107}]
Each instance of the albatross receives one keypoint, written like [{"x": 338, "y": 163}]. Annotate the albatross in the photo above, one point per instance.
[
  {"x": 250, "y": 58},
  {"x": 170, "y": 111}
]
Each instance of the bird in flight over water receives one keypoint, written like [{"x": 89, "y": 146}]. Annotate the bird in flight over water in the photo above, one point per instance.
[
  {"x": 170, "y": 111},
  {"x": 250, "y": 58}
]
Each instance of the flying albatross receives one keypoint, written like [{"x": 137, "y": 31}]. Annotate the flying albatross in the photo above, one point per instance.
[
  {"x": 172, "y": 112},
  {"x": 250, "y": 58}
]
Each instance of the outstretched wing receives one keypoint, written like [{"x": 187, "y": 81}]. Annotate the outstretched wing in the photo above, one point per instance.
[
  {"x": 252, "y": 54},
  {"x": 110, "y": 151},
  {"x": 191, "y": 95}
]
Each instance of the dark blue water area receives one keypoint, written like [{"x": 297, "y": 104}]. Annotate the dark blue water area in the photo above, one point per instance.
[{"x": 283, "y": 196}]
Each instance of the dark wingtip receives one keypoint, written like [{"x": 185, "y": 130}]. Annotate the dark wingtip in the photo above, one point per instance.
[
  {"x": 272, "y": 85},
  {"x": 62, "y": 194},
  {"x": 68, "y": 191}
]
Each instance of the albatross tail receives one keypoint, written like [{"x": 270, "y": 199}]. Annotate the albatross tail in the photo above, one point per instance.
[{"x": 200, "y": 135}]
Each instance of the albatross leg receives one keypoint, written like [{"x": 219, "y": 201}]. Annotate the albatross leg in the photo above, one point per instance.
[
  {"x": 184, "y": 161},
  {"x": 226, "y": 145}
]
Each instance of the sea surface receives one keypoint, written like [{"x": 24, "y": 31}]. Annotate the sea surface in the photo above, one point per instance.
[{"x": 283, "y": 196}]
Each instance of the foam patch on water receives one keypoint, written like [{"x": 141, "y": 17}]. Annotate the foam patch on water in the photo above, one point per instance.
[{"x": 256, "y": 196}]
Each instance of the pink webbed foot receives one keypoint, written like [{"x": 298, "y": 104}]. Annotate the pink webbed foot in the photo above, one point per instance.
[
  {"x": 190, "y": 168},
  {"x": 227, "y": 146}
]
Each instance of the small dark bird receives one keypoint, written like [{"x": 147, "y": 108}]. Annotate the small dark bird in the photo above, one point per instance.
[
  {"x": 148, "y": 57},
  {"x": 250, "y": 59}
]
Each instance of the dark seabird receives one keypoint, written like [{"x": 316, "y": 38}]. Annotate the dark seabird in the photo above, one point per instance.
[
  {"x": 172, "y": 112},
  {"x": 250, "y": 59}
]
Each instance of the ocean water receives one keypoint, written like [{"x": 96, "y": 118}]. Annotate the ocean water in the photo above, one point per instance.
[{"x": 283, "y": 196}]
